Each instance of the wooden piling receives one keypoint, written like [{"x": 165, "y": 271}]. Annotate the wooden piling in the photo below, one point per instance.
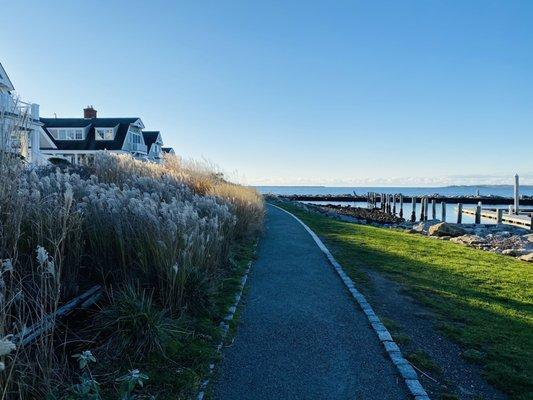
[
  {"x": 426, "y": 207},
  {"x": 401, "y": 205},
  {"x": 478, "y": 214},
  {"x": 393, "y": 204},
  {"x": 499, "y": 216},
  {"x": 422, "y": 206},
  {"x": 459, "y": 213},
  {"x": 434, "y": 209},
  {"x": 413, "y": 206},
  {"x": 516, "y": 195},
  {"x": 443, "y": 211}
]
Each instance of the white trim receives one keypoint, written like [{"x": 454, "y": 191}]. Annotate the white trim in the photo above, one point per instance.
[
  {"x": 83, "y": 130},
  {"x": 113, "y": 129},
  {"x": 45, "y": 136},
  {"x": 58, "y": 151},
  {"x": 138, "y": 123},
  {"x": 5, "y": 81}
]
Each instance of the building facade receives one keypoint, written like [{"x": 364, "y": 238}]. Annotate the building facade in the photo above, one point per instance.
[
  {"x": 19, "y": 123},
  {"x": 78, "y": 139}
]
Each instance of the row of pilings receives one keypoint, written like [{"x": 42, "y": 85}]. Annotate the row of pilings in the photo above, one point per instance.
[{"x": 393, "y": 204}]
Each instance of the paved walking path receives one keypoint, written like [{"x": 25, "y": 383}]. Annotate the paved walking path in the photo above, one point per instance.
[{"x": 300, "y": 335}]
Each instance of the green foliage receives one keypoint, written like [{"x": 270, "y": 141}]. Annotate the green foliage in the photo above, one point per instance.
[
  {"x": 483, "y": 300},
  {"x": 473, "y": 355},
  {"x": 137, "y": 325},
  {"x": 129, "y": 382},
  {"x": 421, "y": 360}
]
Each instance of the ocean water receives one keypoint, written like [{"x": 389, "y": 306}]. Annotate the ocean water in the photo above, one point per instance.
[{"x": 484, "y": 190}]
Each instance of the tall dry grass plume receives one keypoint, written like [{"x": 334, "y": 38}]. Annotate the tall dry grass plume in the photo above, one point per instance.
[{"x": 164, "y": 229}]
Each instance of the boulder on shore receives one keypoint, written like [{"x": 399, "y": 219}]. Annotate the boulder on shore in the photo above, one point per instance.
[
  {"x": 527, "y": 257},
  {"x": 446, "y": 229},
  {"x": 515, "y": 252},
  {"x": 469, "y": 240}
]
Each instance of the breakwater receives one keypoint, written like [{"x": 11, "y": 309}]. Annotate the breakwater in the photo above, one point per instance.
[{"x": 525, "y": 200}]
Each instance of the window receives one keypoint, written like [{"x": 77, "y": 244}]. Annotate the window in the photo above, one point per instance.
[
  {"x": 104, "y": 134},
  {"x": 67, "y": 133},
  {"x": 135, "y": 136}
]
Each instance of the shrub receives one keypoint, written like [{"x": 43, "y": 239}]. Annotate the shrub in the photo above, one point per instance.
[{"x": 136, "y": 325}]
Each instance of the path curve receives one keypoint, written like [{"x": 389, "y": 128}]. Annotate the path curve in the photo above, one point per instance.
[{"x": 300, "y": 335}]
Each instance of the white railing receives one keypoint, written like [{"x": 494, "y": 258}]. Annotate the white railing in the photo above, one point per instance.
[
  {"x": 137, "y": 147},
  {"x": 10, "y": 105}
]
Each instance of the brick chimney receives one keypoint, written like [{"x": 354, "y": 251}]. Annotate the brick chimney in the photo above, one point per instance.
[{"x": 89, "y": 112}]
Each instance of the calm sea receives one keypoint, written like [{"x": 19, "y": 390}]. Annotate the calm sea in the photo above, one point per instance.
[{"x": 500, "y": 190}]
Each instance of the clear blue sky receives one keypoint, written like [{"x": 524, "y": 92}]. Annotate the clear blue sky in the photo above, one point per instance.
[{"x": 311, "y": 92}]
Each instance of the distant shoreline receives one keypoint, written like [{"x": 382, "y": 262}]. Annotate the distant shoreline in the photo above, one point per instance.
[{"x": 466, "y": 191}]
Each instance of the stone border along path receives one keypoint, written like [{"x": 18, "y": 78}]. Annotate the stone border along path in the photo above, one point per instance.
[
  {"x": 224, "y": 327},
  {"x": 404, "y": 368}
]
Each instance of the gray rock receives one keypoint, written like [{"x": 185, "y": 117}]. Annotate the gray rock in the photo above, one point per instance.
[
  {"x": 527, "y": 257},
  {"x": 469, "y": 240},
  {"x": 445, "y": 229},
  {"x": 515, "y": 252},
  {"x": 529, "y": 237}
]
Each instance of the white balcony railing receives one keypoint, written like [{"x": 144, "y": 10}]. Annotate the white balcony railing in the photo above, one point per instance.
[{"x": 137, "y": 147}]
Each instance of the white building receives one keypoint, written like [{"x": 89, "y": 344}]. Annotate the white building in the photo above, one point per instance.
[
  {"x": 19, "y": 122},
  {"x": 154, "y": 143},
  {"x": 78, "y": 139}
]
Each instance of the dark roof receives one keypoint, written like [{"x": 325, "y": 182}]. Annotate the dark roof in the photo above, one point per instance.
[
  {"x": 89, "y": 143},
  {"x": 149, "y": 138},
  {"x": 167, "y": 149}
]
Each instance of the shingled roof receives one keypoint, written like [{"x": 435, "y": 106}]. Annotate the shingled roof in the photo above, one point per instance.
[
  {"x": 149, "y": 138},
  {"x": 89, "y": 143}
]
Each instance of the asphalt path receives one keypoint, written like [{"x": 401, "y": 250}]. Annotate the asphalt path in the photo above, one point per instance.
[{"x": 300, "y": 334}]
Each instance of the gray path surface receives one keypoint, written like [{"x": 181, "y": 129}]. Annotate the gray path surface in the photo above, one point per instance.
[{"x": 300, "y": 335}]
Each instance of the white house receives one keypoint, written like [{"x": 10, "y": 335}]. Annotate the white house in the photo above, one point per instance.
[
  {"x": 154, "y": 143},
  {"x": 19, "y": 122},
  {"x": 78, "y": 139}
]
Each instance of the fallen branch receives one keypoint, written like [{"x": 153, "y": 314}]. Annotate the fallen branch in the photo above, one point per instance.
[{"x": 84, "y": 300}]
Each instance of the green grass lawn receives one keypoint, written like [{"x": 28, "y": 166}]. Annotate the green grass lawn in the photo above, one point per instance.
[{"x": 484, "y": 301}]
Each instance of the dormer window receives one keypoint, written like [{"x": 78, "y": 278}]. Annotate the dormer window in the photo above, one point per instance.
[
  {"x": 104, "y": 133},
  {"x": 66, "y": 133},
  {"x": 135, "y": 135}
]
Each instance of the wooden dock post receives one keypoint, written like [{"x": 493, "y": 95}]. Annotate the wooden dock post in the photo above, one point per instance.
[
  {"x": 499, "y": 216},
  {"x": 459, "y": 213},
  {"x": 393, "y": 204},
  {"x": 478, "y": 214},
  {"x": 443, "y": 211},
  {"x": 422, "y": 205},
  {"x": 426, "y": 207},
  {"x": 401, "y": 205},
  {"x": 516, "y": 195},
  {"x": 413, "y": 206},
  {"x": 434, "y": 209}
]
